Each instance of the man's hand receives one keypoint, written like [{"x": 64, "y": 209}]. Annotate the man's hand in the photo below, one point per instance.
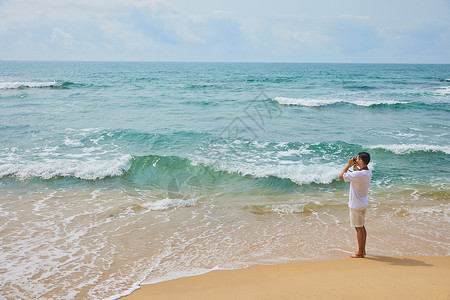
[
  {"x": 355, "y": 164},
  {"x": 349, "y": 164}
]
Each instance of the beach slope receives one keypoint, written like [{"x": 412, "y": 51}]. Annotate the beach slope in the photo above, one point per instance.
[{"x": 375, "y": 277}]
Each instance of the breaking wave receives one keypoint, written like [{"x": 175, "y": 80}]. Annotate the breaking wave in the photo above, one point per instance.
[
  {"x": 328, "y": 102},
  {"x": 30, "y": 84},
  {"x": 411, "y": 148}
]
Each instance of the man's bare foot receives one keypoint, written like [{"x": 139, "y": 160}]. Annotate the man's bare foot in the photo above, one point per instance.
[
  {"x": 356, "y": 252},
  {"x": 357, "y": 255}
]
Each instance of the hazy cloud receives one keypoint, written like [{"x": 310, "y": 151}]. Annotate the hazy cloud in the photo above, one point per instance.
[
  {"x": 232, "y": 31},
  {"x": 62, "y": 38}
]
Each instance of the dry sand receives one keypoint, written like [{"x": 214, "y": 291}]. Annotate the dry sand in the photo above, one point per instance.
[{"x": 375, "y": 277}]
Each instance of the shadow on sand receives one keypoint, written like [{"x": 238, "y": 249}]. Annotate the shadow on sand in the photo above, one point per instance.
[{"x": 398, "y": 261}]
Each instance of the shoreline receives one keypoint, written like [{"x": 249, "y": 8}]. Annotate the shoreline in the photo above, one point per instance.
[{"x": 375, "y": 277}]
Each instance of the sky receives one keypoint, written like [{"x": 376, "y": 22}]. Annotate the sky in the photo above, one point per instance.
[{"x": 346, "y": 31}]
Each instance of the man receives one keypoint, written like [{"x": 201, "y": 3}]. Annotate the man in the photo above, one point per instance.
[{"x": 359, "y": 187}]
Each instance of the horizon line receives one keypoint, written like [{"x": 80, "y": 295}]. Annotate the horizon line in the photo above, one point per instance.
[{"x": 244, "y": 62}]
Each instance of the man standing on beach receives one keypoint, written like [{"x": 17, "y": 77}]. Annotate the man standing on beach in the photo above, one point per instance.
[{"x": 359, "y": 188}]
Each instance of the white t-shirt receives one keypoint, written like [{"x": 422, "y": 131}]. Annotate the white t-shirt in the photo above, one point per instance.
[{"x": 359, "y": 187}]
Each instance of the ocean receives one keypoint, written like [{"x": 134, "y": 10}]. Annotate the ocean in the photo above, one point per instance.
[{"x": 115, "y": 174}]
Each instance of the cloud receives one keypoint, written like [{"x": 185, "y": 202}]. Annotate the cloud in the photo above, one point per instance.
[
  {"x": 159, "y": 30},
  {"x": 424, "y": 39},
  {"x": 424, "y": 35},
  {"x": 62, "y": 38},
  {"x": 287, "y": 36},
  {"x": 154, "y": 27},
  {"x": 219, "y": 30}
]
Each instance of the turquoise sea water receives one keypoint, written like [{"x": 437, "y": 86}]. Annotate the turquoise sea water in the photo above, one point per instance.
[{"x": 141, "y": 172}]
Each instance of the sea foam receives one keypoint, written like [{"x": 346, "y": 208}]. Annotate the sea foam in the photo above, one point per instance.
[
  {"x": 327, "y": 102},
  {"x": 410, "y": 148},
  {"x": 296, "y": 172},
  {"x": 167, "y": 203},
  {"x": 445, "y": 90},
  {"x": 27, "y": 84},
  {"x": 90, "y": 169}
]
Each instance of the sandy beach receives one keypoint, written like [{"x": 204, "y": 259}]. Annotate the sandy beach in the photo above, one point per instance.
[
  {"x": 375, "y": 277},
  {"x": 115, "y": 175}
]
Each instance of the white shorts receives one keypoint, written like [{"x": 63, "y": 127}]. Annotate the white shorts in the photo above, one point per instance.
[{"x": 357, "y": 217}]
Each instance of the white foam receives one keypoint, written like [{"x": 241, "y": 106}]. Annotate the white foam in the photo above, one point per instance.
[
  {"x": 167, "y": 203},
  {"x": 445, "y": 90},
  {"x": 293, "y": 152},
  {"x": 89, "y": 169},
  {"x": 258, "y": 144},
  {"x": 181, "y": 274},
  {"x": 25, "y": 84},
  {"x": 281, "y": 145},
  {"x": 305, "y": 101},
  {"x": 299, "y": 165},
  {"x": 294, "y": 171},
  {"x": 140, "y": 281},
  {"x": 326, "y": 102},
  {"x": 409, "y": 148},
  {"x": 72, "y": 143},
  {"x": 285, "y": 208}
]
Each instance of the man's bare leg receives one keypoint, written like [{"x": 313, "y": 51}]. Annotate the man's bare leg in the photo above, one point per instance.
[
  {"x": 361, "y": 235},
  {"x": 365, "y": 236}
]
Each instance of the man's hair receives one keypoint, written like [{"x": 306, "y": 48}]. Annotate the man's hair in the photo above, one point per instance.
[{"x": 365, "y": 157}]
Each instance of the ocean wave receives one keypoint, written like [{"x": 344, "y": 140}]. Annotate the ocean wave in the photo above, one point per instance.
[
  {"x": 90, "y": 169},
  {"x": 31, "y": 84},
  {"x": 167, "y": 171},
  {"x": 93, "y": 153},
  {"x": 168, "y": 203},
  {"x": 279, "y": 164},
  {"x": 445, "y": 90},
  {"x": 286, "y": 208},
  {"x": 360, "y": 87},
  {"x": 296, "y": 172},
  {"x": 275, "y": 79},
  {"x": 292, "y": 208},
  {"x": 300, "y": 163},
  {"x": 327, "y": 102},
  {"x": 162, "y": 171},
  {"x": 411, "y": 148},
  {"x": 296, "y": 165}
]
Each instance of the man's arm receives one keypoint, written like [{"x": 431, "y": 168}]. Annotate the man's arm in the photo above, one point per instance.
[{"x": 349, "y": 164}]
